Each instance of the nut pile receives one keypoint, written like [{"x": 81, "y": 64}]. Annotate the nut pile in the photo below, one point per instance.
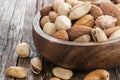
[{"x": 82, "y": 20}]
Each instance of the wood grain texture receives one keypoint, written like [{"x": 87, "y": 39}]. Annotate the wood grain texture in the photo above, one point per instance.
[{"x": 16, "y": 17}]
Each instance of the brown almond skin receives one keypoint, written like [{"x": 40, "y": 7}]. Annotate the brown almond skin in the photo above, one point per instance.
[
  {"x": 62, "y": 34},
  {"x": 79, "y": 30},
  {"x": 109, "y": 31},
  {"x": 96, "y": 11},
  {"x": 45, "y": 10},
  {"x": 116, "y": 1},
  {"x": 110, "y": 9},
  {"x": 53, "y": 15},
  {"x": 86, "y": 20}
]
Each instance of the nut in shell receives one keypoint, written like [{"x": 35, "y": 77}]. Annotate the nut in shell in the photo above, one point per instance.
[
  {"x": 98, "y": 35},
  {"x": 49, "y": 28},
  {"x": 83, "y": 38},
  {"x": 63, "y": 23},
  {"x": 23, "y": 49},
  {"x": 52, "y": 16},
  {"x": 54, "y": 78},
  {"x": 18, "y": 72},
  {"x": 79, "y": 10},
  {"x": 44, "y": 20},
  {"x": 74, "y": 2},
  {"x": 36, "y": 65},
  {"x": 115, "y": 35},
  {"x": 62, "y": 73},
  {"x": 63, "y": 9},
  {"x": 56, "y": 4},
  {"x": 99, "y": 74}
]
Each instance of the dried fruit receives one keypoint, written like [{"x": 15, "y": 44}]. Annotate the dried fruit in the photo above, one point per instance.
[
  {"x": 62, "y": 73},
  {"x": 96, "y": 11},
  {"x": 62, "y": 23},
  {"x": 45, "y": 10},
  {"x": 77, "y": 31},
  {"x": 83, "y": 38},
  {"x": 52, "y": 16},
  {"x": 99, "y": 74},
  {"x": 106, "y": 21},
  {"x": 98, "y": 35},
  {"x": 61, "y": 34},
  {"x": 86, "y": 20},
  {"x": 80, "y": 10},
  {"x": 36, "y": 65},
  {"x": 110, "y": 9},
  {"x": 44, "y": 20},
  {"x": 23, "y": 49},
  {"x": 63, "y": 9},
  {"x": 49, "y": 28},
  {"x": 18, "y": 72},
  {"x": 115, "y": 35}
]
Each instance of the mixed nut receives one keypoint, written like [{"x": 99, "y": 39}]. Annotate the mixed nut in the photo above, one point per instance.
[{"x": 82, "y": 20}]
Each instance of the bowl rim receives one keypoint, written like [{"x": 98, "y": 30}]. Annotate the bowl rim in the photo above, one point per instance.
[{"x": 40, "y": 32}]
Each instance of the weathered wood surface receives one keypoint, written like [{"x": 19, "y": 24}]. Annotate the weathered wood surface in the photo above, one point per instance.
[{"x": 16, "y": 17}]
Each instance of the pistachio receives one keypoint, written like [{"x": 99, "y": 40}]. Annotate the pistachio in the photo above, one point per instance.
[
  {"x": 44, "y": 20},
  {"x": 80, "y": 10},
  {"x": 62, "y": 73},
  {"x": 63, "y": 9},
  {"x": 83, "y": 38},
  {"x": 49, "y": 28},
  {"x": 18, "y": 72},
  {"x": 115, "y": 35},
  {"x": 54, "y": 78},
  {"x": 99, "y": 74},
  {"x": 36, "y": 65},
  {"x": 74, "y": 2},
  {"x": 99, "y": 35},
  {"x": 23, "y": 49},
  {"x": 63, "y": 23}
]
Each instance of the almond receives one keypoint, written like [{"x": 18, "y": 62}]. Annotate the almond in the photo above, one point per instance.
[
  {"x": 109, "y": 9},
  {"x": 83, "y": 38},
  {"x": 118, "y": 21},
  {"x": 45, "y": 10},
  {"x": 109, "y": 31},
  {"x": 86, "y": 20},
  {"x": 77, "y": 31},
  {"x": 62, "y": 34},
  {"x": 116, "y": 1},
  {"x": 96, "y": 11}
]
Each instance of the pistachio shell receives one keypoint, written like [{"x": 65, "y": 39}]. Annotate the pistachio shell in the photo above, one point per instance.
[
  {"x": 80, "y": 10},
  {"x": 83, "y": 38},
  {"x": 18, "y": 72},
  {"x": 36, "y": 65},
  {"x": 115, "y": 35},
  {"x": 99, "y": 35},
  {"x": 62, "y": 73},
  {"x": 23, "y": 49}
]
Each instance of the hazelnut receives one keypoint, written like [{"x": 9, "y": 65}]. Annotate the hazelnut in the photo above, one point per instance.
[
  {"x": 52, "y": 16},
  {"x": 44, "y": 20},
  {"x": 49, "y": 28},
  {"x": 63, "y": 23}
]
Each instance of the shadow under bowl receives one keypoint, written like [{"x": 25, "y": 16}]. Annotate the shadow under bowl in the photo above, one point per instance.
[{"x": 73, "y": 55}]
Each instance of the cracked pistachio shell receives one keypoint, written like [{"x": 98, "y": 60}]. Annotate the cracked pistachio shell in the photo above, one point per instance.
[
  {"x": 83, "y": 38},
  {"x": 115, "y": 35},
  {"x": 62, "y": 73},
  {"x": 23, "y": 49},
  {"x": 64, "y": 9},
  {"x": 18, "y": 72},
  {"x": 36, "y": 65},
  {"x": 99, "y": 35},
  {"x": 79, "y": 10}
]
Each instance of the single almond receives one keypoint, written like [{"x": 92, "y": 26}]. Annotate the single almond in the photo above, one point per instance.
[
  {"x": 77, "y": 31},
  {"x": 116, "y": 1},
  {"x": 96, "y": 11},
  {"x": 62, "y": 34}
]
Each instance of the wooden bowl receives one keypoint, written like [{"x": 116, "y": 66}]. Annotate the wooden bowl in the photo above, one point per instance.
[{"x": 73, "y": 55}]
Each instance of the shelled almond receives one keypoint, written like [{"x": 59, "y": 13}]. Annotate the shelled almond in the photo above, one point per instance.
[{"x": 82, "y": 20}]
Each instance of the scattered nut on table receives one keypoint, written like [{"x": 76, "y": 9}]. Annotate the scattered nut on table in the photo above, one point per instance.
[
  {"x": 36, "y": 65},
  {"x": 18, "y": 72},
  {"x": 62, "y": 73},
  {"x": 99, "y": 74},
  {"x": 23, "y": 49}
]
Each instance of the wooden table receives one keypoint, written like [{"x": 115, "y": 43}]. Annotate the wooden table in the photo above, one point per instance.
[{"x": 16, "y": 17}]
